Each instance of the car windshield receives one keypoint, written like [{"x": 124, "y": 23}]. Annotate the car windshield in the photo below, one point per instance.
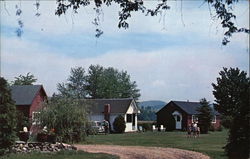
[{"x": 99, "y": 124}]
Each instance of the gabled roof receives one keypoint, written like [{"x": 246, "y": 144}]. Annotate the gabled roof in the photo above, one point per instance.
[
  {"x": 119, "y": 106},
  {"x": 188, "y": 107},
  {"x": 24, "y": 94},
  {"x": 191, "y": 107}
]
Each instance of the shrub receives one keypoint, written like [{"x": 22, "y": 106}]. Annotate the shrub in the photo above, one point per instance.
[
  {"x": 211, "y": 128},
  {"x": 22, "y": 121},
  {"x": 68, "y": 116},
  {"x": 7, "y": 117},
  {"x": 119, "y": 124},
  {"x": 220, "y": 128}
]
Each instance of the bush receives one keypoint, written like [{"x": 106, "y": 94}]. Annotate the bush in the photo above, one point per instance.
[
  {"x": 68, "y": 116},
  {"x": 146, "y": 126},
  {"x": 220, "y": 128},
  {"x": 212, "y": 128},
  {"x": 7, "y": 117},
  {"x": 119, "y": 124}
]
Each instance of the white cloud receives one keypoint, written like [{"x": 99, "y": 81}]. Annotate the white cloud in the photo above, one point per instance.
[
  {"x": 169, "y": 73},
  {"x": 196, "y": 19},
  {"x": 164, "y": 74},
  {"x": 158, "y": 83}
]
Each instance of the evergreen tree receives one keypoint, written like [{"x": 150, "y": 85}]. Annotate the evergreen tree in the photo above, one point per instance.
[
  {"x": 205, "y": 116},
  {"x": 119, "y": 124},
  {"x": 232, "y": 98},
  {"x": 7, "y": 117}
]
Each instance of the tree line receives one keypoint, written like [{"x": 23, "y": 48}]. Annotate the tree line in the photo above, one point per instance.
[{"x": 231, "y": 90}]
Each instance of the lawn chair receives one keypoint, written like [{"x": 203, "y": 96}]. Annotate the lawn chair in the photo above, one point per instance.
[
  {"x": 140, "y": 128},
  {"x": 154, "y": 128},
  {"x": 162, "y": 128}
]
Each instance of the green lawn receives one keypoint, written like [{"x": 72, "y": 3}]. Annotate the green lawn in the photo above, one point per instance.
[
  {"x": 210, "y": 144},
  {"x": 61, "y": 155}
]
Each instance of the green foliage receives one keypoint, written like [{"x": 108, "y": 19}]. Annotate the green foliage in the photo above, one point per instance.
[
  {"x": 147, "y": 126},
  {"x": 67, "y": 116},
  {"x": 29, "y": 79},
  {"x": 75, "y": 85},
  {"x": 205, "y": 116},
  {"x": 232, "y": 97},
  {"x": 7, "y": 117},
  {"x": 110, "y": 83},
  {"x": 22, "y": 121},
  {"x": 226, "y": 121},
  {"x": 119, "y": 124},
  {"x": 222, "y": 8},
  {"x": 99, "y": 82}
]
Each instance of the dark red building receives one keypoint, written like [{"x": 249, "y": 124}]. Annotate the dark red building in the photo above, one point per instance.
[
  {"x": 28, "y": 100},
  {"x": 177, "y": 115}
]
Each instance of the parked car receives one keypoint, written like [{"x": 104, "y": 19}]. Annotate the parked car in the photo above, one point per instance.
[{"x": 98, "y": 126}]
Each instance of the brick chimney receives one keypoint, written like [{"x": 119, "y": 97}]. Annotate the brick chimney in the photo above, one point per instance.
[{"x": 107, "y": 112}]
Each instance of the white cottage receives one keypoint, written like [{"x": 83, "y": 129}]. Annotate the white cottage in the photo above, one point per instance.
[{"x": 109, "y": 109}]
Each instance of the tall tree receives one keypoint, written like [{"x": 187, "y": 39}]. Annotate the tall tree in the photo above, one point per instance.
[
  {"x": 110, "y": 83},
  {"x": 28, "y": 79},
  {"x": 205, "y": 116},
  {"x": 99, "y": 82},
  {"x": 232, "y": 100},
  {"x": 75, "y": 85},
  {"x": 7, "y": 117},
  {"x": 94, "y": 80}
]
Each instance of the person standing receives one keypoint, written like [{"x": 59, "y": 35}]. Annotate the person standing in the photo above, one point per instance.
[{"x": 106, "y": 126}]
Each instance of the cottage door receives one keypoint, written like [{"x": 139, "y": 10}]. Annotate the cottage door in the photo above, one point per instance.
[
  {"x": 178, "y": 122},
  {"x": 178, "y": 119}
]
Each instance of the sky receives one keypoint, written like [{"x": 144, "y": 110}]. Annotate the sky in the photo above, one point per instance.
[{"x": 174, "y": 56}]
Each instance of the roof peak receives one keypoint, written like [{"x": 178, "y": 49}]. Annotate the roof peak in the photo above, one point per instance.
[
  {"x": 184, "y": 101},
  {"x": 28, "y": 85},
  {"x": 112, "y": 99}
]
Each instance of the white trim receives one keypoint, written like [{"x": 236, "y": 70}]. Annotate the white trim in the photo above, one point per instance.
[
  {"x": 35, "y": 121},
  {"x": 213, "y": 119},
  {"x": 178, "y": 123},
  {"x": 194, "y": 118}
]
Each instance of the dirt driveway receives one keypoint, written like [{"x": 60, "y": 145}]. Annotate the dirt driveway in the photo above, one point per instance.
[{"x": 140, "y": 152}]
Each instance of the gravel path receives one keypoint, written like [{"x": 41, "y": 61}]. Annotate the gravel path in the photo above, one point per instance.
[{"x": 140, "y": 152}]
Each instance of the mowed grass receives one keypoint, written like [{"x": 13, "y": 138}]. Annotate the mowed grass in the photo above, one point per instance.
[
  {"x": 61, "y": 155},
  {"x": 210, "y": 144}
]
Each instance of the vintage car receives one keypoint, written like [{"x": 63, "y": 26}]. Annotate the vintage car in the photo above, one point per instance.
[{"x": 97, "y": 126}]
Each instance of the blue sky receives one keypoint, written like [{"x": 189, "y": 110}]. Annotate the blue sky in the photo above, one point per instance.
[{"x": 175, "y": 60}]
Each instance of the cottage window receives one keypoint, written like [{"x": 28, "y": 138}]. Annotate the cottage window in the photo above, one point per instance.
[
  {"x": 178, "y": 118},
  {"x": 214, "y": 119},
  {"x": 129, "y": 118},
  {"x": 35, "y": 120},
  {"x": 194, "y": 118}
]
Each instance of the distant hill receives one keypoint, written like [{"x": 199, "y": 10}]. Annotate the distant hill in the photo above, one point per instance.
[
  {"x": 154, "y": 104},
  {"x": 149, "y": 108}
]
